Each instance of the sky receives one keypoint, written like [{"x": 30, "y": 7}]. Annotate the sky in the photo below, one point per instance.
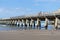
[{"x": 11, "y": 8}]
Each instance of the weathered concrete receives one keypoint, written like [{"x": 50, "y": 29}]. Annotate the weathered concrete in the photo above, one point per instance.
[{"x": 32, "y": 19}]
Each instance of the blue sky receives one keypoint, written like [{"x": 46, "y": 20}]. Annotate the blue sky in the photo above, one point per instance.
[{"x": 10, "y": 8}]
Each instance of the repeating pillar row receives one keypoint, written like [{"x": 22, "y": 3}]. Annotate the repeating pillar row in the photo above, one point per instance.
[{"x": 31, "y": 22}]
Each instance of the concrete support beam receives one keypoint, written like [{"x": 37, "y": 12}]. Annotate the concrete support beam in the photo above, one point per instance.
[
  {"x": 23, "y": 22},
  {"x": 18, "y": 22},
  {"x": 15, "y": 22},
  {"x": 38, "y": 23},
  {"x": 12, "y": 22},
  {"x": 27, "y": 22},
  {"x": 56, "y": 22},
  {"x": 46, "y": 23},
  {"x": 31, "y": 23}
]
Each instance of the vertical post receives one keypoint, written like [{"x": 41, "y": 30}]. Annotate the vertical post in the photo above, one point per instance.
[
  {"x": 56, "y": 22},
  {"x": 46, "y": 23},
  {"x": 31, "y": 23},
  {"x": 15, "y": 22},
  {"x": 27, "y": 22},
  {"x": 22, "y": 22},
  {"x": 38, "y": 23},
  {"x": 12, "y": 22},
  {"x": 34, "y": 24},
  {"x": 18, "y": 23}
]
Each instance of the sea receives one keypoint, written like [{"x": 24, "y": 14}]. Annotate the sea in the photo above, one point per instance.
[{"x": 9, "y": 27}]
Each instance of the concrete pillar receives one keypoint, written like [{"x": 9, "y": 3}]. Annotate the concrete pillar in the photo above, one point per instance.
[
  {"x": 34, "y": 24},
  {"x": 12, "y": 22},
  {"x": 46, "y": 23},
  {"x": 15, "y": 22},
  {"x": 56, "y": 22},
  {"x": 38, "y": 23},
  {"x": 27, "y": 22},
  {"x": 18, "y": 22},
  {"x": 31, "y": 23},
  {"x": 23, "y": 22}
]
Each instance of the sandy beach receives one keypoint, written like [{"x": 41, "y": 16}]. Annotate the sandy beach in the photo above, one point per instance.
[{"x": 30, "y": 35}]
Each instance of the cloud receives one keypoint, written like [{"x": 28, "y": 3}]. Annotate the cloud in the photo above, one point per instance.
[
  {"x": 17, "y": 8},
  {"x": 11, "y": 12},
  {"x": 45, "y": 0},
  {"x": 1, "y": 10},
  {"x": 4, "y": 10},
  {"x": 15, "y": 11},
  {"x": 38, "y": 2}
]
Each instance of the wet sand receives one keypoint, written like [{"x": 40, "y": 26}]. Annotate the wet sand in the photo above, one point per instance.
[{"x": 30, "y": 35}]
